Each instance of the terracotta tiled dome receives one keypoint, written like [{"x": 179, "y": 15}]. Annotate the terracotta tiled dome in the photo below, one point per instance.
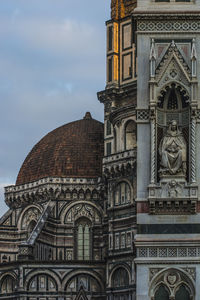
[{"x": 72, "y": 150}]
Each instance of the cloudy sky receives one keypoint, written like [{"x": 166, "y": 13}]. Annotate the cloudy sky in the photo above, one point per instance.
[{"x": 52, "y": 63}]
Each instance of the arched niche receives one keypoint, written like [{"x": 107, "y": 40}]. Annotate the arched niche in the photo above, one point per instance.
[
  {"x": 130, "y": 135},
  {"x": 120, "y": 278},
  {"x": 172, "y": 105},
  {"x": 8, "y": 284}
]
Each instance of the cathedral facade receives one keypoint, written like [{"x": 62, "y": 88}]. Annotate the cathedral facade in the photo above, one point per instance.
[{"x": 112, "y": 211}]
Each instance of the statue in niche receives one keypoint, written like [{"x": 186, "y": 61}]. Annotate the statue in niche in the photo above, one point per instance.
[{"x": 173, "y": 150}]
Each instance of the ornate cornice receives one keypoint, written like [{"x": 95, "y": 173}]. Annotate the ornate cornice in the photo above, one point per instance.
[
  {"x": 48, "y": 188},
  {"x": 118, "y": 164},
  {"x": 117, "y": 93},
  {"x": 148, "y": 15}
]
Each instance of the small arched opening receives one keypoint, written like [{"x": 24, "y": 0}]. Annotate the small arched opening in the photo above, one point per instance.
[{"x": 130, "y": 135}]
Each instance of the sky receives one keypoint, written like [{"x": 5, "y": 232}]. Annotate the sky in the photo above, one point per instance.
[{"x": 52, "y": 63}]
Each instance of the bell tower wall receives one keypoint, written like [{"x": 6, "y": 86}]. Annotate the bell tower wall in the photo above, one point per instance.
[{"x": 168, "y": 126}]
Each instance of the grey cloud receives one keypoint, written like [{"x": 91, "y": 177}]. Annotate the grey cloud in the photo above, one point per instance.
[{"x": 52, "y": 63}]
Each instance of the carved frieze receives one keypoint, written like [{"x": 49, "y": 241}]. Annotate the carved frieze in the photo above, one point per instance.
[{"x": 82, "y": 210}]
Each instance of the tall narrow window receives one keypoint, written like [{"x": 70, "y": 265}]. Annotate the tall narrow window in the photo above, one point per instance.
[
  {"x": 83, "y": 240},
  {"x": 108, "y": 128},
  {"x": 80, "y": 242},
  {"x": 130, "y": 135},
  {"x": 86, "y": 249},
  {"x": 108, "y": 148},
  {"x": 110, "y": 67}
]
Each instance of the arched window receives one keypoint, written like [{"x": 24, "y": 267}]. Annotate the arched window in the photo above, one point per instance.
[
  {"x": 42, "y": 283},
  {"x": 120, "y": 278},
  {"x": 182, "y": 293},
  {"x": 108, "y": 128},
  {"x": 122, "y": 194},
  {"x": 83, "y": 239},
  {"x": 162, "y": 293},
  {"x": 8, "y": 284},
  {"x": 130, "y": 135}
]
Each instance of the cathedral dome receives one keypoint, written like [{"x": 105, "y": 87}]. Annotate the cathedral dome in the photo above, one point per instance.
[{"x": 72, "y": 150}]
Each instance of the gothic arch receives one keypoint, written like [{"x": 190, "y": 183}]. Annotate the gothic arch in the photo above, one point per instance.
[
  {"x": 66, "y": 209},
  {"x": 172, "y": 279},
  {"x": 162, "y": 286},
  {"x": 172, "y": 64},
  {"x": 186, "y": 285},
  {"x": 23, "y": 213},
  {"x": 75, "y": 273}
]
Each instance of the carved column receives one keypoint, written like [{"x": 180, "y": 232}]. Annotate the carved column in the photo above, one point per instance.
[
  {"x": 193, "y": 150},
  {"x": 153, "y": 150}
]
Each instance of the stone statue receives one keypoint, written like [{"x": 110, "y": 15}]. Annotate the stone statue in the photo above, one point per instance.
[{"x": 173, "y": 152}]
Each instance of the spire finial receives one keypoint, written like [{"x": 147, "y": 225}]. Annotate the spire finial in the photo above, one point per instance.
[{"x": 87, "y": 116}]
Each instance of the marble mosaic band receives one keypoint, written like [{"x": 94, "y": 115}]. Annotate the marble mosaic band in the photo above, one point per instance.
[{"x": 177, "y": 26}]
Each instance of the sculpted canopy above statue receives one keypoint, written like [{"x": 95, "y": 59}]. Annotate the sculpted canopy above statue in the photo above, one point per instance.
[{"x": 173, "y": 152}]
